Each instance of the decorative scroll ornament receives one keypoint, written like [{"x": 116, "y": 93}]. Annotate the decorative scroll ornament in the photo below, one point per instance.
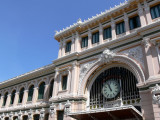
[
  {"x": 52, "y": 110},
  {"x": 30, "y": 114},
  {"x": 156, "y": 94},
  {"x": 107, "y": 56},
  {"x": 20, "y": 115},
  {"x": 67, "y": 107},
  {"x": 146, "y": 42},
  {"x": 42, "y": 112}
]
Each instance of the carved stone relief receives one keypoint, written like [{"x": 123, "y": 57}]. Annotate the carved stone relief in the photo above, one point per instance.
[
  {"x": 156, "y": 94},
  {"x": 135, "y": 53}
]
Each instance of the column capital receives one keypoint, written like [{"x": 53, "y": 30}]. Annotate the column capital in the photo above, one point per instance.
[
  {"x": 125, "y": 17},
  {"x": 146, "y": 42},
  {"x": 146, "y": 6},
  {"x": 112, "y": 22},
  {"x": 89, "y": 32}
]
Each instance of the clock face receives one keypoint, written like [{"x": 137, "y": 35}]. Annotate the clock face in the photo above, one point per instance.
[{"x": 111, "y": 89}]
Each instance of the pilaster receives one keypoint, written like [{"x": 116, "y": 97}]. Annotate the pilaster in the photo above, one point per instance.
[
  {"x": 46, "y": 92},
  {"x": 16, "y": 99},
  {"x": 113, "y": 29},
  {"x": 63, "y": 47},
  {"x": 101, "y": 33},
  {"x": 1, "y": 101},
  {"x": 25, "y": 97},
  {"x": 55, "y": 83},
  {"x": 35, "y": 94},
  {"x": 73, "y": 44},
  {"x": 60, "y": 49},
  {"x": 89, "y": 39},
  {"x": 141, "y": 15},
  {"x": 126, "y": 21},
  {"x": 77, "y": 43},
  {"x": 8, "y": 100},
  {"x": 147, "y": 12}
]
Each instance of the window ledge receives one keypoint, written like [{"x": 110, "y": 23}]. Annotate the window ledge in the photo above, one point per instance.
[
  {"x": 121, "y": 35},
  {"x": 28, "y": 102},
  {"x": 84, "y": 48},
  {"x": 156, "y": 19},
  {"x": 62, "y": 91},
  {"x": 107, "y": 40}
]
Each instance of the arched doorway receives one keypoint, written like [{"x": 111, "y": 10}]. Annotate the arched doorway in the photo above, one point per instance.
[{"x": 114, "y": 87}]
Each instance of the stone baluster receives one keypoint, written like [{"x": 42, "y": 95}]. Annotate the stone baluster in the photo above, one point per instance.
[
  {"x": 141, "y": 15},
  {"x": 101, "y": 33},
  {"x": 147, "y": 12},
  {"x": 113, "y": 29},
  {"x": 89, "y": 39},
  {"x": 126, "y": 21}
]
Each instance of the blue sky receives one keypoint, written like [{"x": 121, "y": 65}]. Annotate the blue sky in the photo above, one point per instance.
[{"x": 27, "y": 30}]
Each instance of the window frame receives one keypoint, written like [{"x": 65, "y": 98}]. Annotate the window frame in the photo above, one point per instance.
[
  {"x": 21, "y": 95},
  {"x": 134, "y": 22},
  {"x": 95, "y": 37},
  {"x": 41, "y": 95},
  {"x": 64, "y": 86},
  {"x": 84, "y": 42},
  {"x": 68, "y": 46},
  {"x": 153, "y": 13},
  {"x": 30, "y": 91},
  {"x": 13, "y": 97},
  {"x": 107, "y": 35},
  {"x": 121, "y": 27}
]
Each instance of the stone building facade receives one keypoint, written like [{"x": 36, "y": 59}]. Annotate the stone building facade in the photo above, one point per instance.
[{"x": 108, "y": 67}]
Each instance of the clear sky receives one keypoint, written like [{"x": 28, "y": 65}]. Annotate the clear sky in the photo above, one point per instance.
[{"x": 27, "y": 30}]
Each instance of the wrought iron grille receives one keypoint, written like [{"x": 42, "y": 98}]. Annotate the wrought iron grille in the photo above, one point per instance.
[{"x": 129, "y": 93}]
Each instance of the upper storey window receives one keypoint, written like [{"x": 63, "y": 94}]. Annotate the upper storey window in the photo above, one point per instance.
[
  {"x": 155, "y": 11},
  {"x": 134, "y": 22},
  {"x": 95, "y": 37},
  {"x": 12, "y": 97},
  {"x": 84, "y": 42},
  {"x": 68, "y": 46},
  {"x": 120, "y": 28},
  {"x": 30, "y": 93},
  {"x": 107, "y": 33},
  {"x": 64, "y": 82},
  {"x": 41, "y": 90},
  {"x": 21, "y": 93},
  {"x": 5, "y": 99}
]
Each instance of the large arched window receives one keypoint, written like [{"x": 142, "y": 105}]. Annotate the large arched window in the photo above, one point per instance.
[
  {"x": 114, "y": 84},
  {"x": 30, "y": 92},
  {"x": 5, "y": 98},
  {"x": 51, "y": 88},
  {"x": 41, "y": 90},
  {"x": 21, "y": 93},
  {"x": 13, "y": 96}
]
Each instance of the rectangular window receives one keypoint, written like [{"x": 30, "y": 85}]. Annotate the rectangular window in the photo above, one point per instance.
[
  {"x": 84, "y": 42},
  {"x": 134, "y": 22},
  {"x": 60, "y": 115},
  {"x": 68, "y": 46},
  {"x": 107, "y": 33},
  {"x": 64, "y": 82},
  {"x": 95, "y": 37},
  {"x": 155, "y": 11},
  {"x": 120, "y": 28}
]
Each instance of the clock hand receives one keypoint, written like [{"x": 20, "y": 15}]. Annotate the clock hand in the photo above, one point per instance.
[{"x": 109, "y": 86}]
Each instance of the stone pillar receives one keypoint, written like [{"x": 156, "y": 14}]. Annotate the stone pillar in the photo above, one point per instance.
[
  {"x": 148, "y": 56},
  {"x": 73, "y": 44},
  {"x": 141, "y": 15},
  {"x": 126, "y": 21},
  {"x": 63, "y": 48},
  {"x": 1, "y": 101},
  {"x": 89, "y": 39},
  {"x": 46, "y": 92},
  {"x": 113, "y": 29},
  {"x": 35, "y": 95},
  {"x": 8, "y": 100},
  {"x": 56, "y": 78},
  {"x": 16, "y": 99},
  {"x": 25, "y": 97},
  {"x": 60, "y": 50},
  {"x": 101, "y": 33},
  {"x": 147, "y": 12}
]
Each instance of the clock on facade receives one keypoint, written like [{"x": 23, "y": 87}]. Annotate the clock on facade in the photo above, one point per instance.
[{"x": 110, "y": 89}]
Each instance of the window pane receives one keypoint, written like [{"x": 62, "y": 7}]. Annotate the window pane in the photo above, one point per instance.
[
  {"x": 68, "y": 46},
  {"x": 120, "y": 28},
  {"x": 64, "y": 82},
  {"x": 134, "y": 22},
  {"x": 12, "y": 97},
  {"x": 41, "y": 91},
  {"x": 51, "y": 88},
  {"x": 84, "y": 42},
  {"x": 5, "y": 99},
  {"x": 30, "y": 93},
  {"x": 155, "y": 11},
  {"x": 95, "y": 37},
  {"x": 60, "y": 115},
  {"x": 21, "y": 95}
]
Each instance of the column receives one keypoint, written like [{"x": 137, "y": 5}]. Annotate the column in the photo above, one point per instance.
[
  {"x": 8, "y": 100},
  {"x": 55, "y": 87},
  {"x": 126, "y": 21},
  {"x": 69, "y": 79},
  {"x": 60, "y": 49},
  {"x": 1, "y": 101},
  {"x": 16, "y": 99},
  {"x": 148, "y": 56},
  {"x": 63, "y": 48},
  {"x": 46, "y": 92},
  {"x": 73, "y": 44},
  {"x": 77, "y": 43},
  {"x": 113, "y": 29},
  {"x": 59, "y": 82},
  {"x": 25, "y": 97},
  {"x": 141, "y": 15},
  {"x": 89, "y": 39},
  {"x": 35, "y": 95},
  {"x": 147, "y": 11},
  {"x": 101, "y": 33}
]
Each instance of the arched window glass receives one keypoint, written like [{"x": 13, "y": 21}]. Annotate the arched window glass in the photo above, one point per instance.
[
  {"x": 41, "y": 90},
  {"x": 13, "y": 96},
  {"x": 5, "y": 99},
  {"x": 30, "y": 92},
  {"x": 51, "y": 88},
  {"x": 21, "y": 95}
]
